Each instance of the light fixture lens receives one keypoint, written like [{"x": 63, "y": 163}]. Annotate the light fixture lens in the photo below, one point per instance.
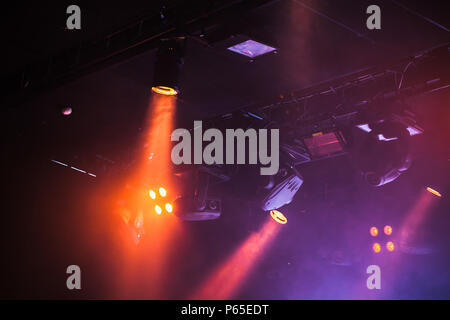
[
  {"x": 388, "y": 230},
  {"x": 162, "y": 192},
  {"x": 152, "y": 194},
  {"x": 434, "y": 192},
  {"x": 169, "y": 207},
  {"x": 373, "y": 231},
  {"x": 158, "y": 209},
  {"x": 67, "y": 111},
  {"x": 167, "y": 91},
  {"x": 376, "y": 247},
  {"x": 390, "y": 246},
  {"x": 278, "y": 216}
]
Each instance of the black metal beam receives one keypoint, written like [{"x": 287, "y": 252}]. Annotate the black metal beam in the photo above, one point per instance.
[{"x": 349, "y": 95}]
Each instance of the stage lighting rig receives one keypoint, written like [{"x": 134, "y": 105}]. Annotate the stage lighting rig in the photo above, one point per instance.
[{"x": 168, "y": 65}]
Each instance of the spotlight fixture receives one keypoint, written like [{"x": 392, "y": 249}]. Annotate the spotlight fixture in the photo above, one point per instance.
[
  {"x": 322, "y": 144},
  {"x": 413, "y": 130},
  {"x": 169, "y": 61},
  {"x": 282, "y": 192},
  {"x": 152, "y": 194},
  {"x": 383, "y": 155},
  {"x": 158, "y": 209},
  {"x": 196, "y": 204},
  {"x": 188, "y": 209}
]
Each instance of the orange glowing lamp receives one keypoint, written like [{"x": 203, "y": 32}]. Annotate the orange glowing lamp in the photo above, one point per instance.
[
  {"x": 387, "y": 230},
  {"x": 376, "y": 247},
  {"x": 162, "y": 192},
  {"x": 390, "y": 246},
  {"x": 159, "y": 207},
  {"x": 373, "y": 231},
  {"x": 436, "y": 193},
  {"x": 278, "y": 216},
  {"x": 167, "y": 91}
]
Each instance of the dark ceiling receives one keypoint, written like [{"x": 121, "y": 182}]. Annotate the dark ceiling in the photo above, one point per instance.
[
  {"x": 316, "y": 40},
  {"x": 311, "y": 36}
]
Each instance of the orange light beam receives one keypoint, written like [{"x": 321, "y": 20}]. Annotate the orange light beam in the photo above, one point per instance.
[
  {"x": 146, "y": 266},
  {"x": 229, "y": 277}
]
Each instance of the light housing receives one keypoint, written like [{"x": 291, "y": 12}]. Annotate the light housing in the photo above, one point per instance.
[
  {"x": 189, "y": 210},
  {"x": 383, "y": 161},
  {"x": 195, "y": 204},
  {"x": 282, "y": 192},
  {"x": 168, "y": 65}
]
